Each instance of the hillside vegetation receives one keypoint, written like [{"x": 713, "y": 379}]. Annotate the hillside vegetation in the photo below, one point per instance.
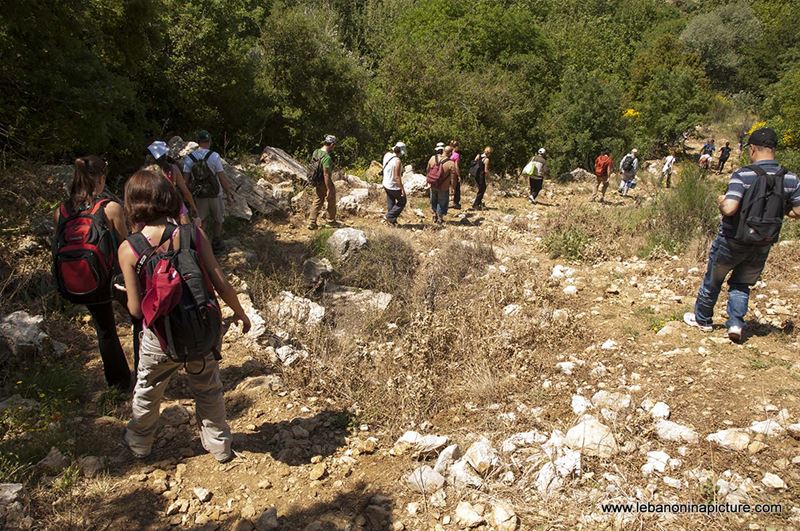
[{"x": 107, "y": 76}]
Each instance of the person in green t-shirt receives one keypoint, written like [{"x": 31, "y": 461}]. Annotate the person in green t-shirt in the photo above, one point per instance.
[{"x": 325, "y": 188}]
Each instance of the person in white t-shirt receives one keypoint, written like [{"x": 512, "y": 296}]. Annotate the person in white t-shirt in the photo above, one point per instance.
[
  {"x": 393, "y": 183},
  {"x": 209, "y": 196},
  {"x": 666, "y": 171}
]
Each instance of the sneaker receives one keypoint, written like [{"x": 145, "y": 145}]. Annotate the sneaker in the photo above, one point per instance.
[
  {"x": 136, "y": 454},
  {"x": 735, "y": 333},
  {"x": 531, "y": 199},
  {"x": 333, "y": 224},
  {"x": 690, "y": 320}
]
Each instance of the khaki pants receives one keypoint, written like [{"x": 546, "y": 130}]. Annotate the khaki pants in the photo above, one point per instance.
[
  {"x": 155, "y": 370},
  {"x": 211, "y": 211},
  {"x": 324, "y": 192}
]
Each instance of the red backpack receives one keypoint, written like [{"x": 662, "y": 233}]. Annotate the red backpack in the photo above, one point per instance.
[
  {"x": 436, "y": 172},
  {"x": 84, "y": 254},
  {"x": 600, "y": 165},
  {"x": 179, "y": 305}
]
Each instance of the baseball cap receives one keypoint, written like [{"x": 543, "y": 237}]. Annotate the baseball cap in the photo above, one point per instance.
[
  {"x": 400, "y": 145},
  {"x": 634, "y": 151},
  {"x": 158, "y": 149},
  {"x": 203, "y": 136},
  {"x": 541, "y": 151},
  {"x": 764, "y": 137},
  {"x": 330, "y": 139},
  {"x": 440, "y": 146}
]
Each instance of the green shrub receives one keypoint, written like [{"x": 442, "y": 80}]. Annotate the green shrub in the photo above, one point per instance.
[{"x": 569, "y": 242}]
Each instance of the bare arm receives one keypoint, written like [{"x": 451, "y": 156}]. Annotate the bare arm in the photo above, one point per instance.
[
  {"x": 180, "y": 182},
  {"x": 220, "y": 282},
  {"x": 223, "y": 181},
  {"x": 127, "y": 262},
  {"x": 398, "y": 178},
  {"x": 794, "y": 213},
  {"x": 728, "y": 207},
  {"x": 116, "y": 216}
]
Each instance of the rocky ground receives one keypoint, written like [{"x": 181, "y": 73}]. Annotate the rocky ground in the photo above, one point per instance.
[{"x": 623, "y": 404}]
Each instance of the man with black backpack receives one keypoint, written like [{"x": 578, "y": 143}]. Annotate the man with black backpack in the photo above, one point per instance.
[
  {"x": 752, "y": 209},
  {"x": 628, "y": 167},
  {"x": 208, "y": 185},
  {"x": 321, "y": 178}
]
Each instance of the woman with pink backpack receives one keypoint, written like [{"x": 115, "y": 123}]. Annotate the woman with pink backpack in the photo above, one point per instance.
[{"x": 171, "y": 276}]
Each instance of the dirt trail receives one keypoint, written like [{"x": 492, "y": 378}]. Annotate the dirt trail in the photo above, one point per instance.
[{"x": 305, "y": 462}]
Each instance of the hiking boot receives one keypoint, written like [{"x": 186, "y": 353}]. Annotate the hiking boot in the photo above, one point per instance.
[
  {"x": 333, "y": 224},
  {"x": 457, "y": 206},
  {"x": 735, "y": 333},
  {"x": 312, "y": 226},
  {"x": 690, "y": 319},
  {"x": 387, "y": 221}
]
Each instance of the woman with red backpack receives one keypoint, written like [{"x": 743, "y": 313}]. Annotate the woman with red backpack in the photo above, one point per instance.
[
  {"x": 171, "y": 276},
  {"x": 89, "y": 227}
]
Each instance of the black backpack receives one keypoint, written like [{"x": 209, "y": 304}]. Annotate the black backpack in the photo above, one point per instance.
[
  {"x": 178, "y": 303},
  {"x": 762, "y": 208},
  {"x": 202, "y": 181},
  {"x": 476, "y": 168},
  {"x": 84, "y": 254},
  {"x": 627, "y": 163},
  {"x": 316, "y": 173}
]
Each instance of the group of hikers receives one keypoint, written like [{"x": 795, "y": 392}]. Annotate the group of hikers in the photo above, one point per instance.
[
  {"x": 155, "y": 251},
  {"x": 707, "y": 156},
  {"x": 150, "y": 253}
]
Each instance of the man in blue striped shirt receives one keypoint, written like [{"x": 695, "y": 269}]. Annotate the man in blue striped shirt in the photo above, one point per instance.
[{"x": 744, "y": 262}]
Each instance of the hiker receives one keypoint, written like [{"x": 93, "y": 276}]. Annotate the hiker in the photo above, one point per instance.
[
  {"x": 742, "y": 245},
  {"x": 708, "y": 148},
  {"x": 666, "y": 170},
  {"x": 89, "y": 228},
  {"x": 704, "y": 162},
  {"x": 479, "y": 170},
  {"x": 628, "y": 167},
  {"x": 602, "y": 171},
  {"x": 157, "y": 155},
  {"x": 322, "y": 160},
  {"x": 455, "y": 183},
  {"x": 393, "y": 183},
  {"x": 536, "y": 170},
  {"x": 151, "y": 201},
  {"x": 209, "y": 187},
  {"x": 724, "y": 155},
  {"x": 441, "y": 170}
]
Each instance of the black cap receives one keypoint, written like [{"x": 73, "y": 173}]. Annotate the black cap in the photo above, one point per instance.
[
  {"x": 764, "y": 137},
  {"x": 203, "y": 136}
]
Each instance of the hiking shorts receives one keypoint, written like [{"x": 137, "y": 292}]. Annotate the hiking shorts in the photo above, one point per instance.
[{"x": 210, "y": 208}]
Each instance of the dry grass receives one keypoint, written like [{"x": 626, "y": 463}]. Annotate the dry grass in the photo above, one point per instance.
[{"x": 450, "y": 343}]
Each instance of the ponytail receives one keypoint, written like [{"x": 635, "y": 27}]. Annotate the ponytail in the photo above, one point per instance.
[{"x": 88, "y": 171}]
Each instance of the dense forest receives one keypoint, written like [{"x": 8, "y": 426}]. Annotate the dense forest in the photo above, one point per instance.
[{"x": 107, "y": 76}]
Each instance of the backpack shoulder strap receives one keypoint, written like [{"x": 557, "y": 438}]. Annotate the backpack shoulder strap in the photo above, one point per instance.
[
  {"x": 191, "y": 156},
  {"x": 142, "y": 248},
  {"x": 186, "y": 235},
  {"x": 208, "y": 155}
]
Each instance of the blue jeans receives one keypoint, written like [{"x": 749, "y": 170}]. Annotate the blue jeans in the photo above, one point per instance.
[
  {"x": 439, "y": 201},
  {"x": 745, "y": 263}
]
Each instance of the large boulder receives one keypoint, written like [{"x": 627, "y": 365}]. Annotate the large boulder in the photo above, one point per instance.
[
  {"x": 364, "y": 299},
  {"x": 354, "y": 202},
  {"x": 579, "y": 174},
  {"x": 22, "y": 331},
  {"x": 345, "y": 241},
  {"x": 415, "y": 183},
  {"x": 280, "y": 166},
  {"x": 248, "y": 197},
  {"x": 291, "y": 310}
]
